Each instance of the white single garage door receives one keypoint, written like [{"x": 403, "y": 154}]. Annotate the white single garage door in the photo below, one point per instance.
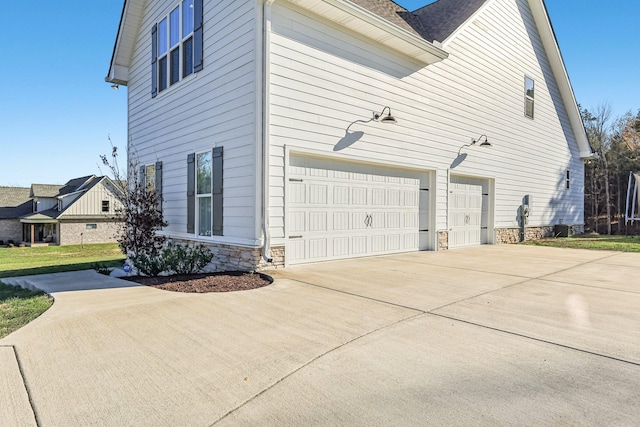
[
  {"x": 468, "y": 211},
  {"x": 342, "y": 210}
]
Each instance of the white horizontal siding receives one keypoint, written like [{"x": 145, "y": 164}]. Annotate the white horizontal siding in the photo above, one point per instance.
[
  {"x": 214, "y": 107},
  {"x": 323, "y": 79}
]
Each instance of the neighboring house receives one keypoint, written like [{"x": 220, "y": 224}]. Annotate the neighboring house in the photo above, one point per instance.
[
  {"x": 266, "y": 125},
  {"x": 81, "y": 211}
]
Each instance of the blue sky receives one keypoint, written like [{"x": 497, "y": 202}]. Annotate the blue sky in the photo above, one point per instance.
[{"x": 57, "y": 112}]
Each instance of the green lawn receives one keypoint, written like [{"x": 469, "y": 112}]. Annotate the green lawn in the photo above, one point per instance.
[
  {"x": 593, "y": 242},
  {"x": 52, "y": 259},
  {"x": 19, "y": 306}
]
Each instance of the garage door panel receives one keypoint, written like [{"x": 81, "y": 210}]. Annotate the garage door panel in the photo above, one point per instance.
[
  {"x": 378, "y": 220},
  {"x": 318, "y": 248},
  {"x": 393, "y": 198},
  {"x": 466, "y": 211},
  {"x": 341, "y": 246},
  {"x": 297, "y": 222},
  {"x": 359, "y": 220},
  {"x": 378, "y": 196},
  {"x": 318, "y": 221},
  {"x": 297, "y": 193},
  {"x": 337, "y": 213},
  {"x": 359, "y": 245},
  {"x": 318, "y": 194},
  {"x": 341, "y": 221},
  {"x": 341, "y": 195},
  {"x": 393, "y": 220},
  {"x": 393, "y": 242},
  {"x": 359, "y": 196}
]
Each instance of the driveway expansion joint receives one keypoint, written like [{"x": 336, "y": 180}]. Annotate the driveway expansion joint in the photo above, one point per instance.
[
  {"x": 24, "y": 382},
  {"x": 309, "y": 362},
  {"x": 504, "y": 331}
]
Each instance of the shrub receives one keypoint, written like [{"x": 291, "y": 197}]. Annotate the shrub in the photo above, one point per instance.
[
  {"x": 151, "y": 264},
  {"x": 11, "y": 242},
  {"x": 182, "y": 259},
  {"x": 1, "y": 242},
  {"x": 102, "y": 268}
]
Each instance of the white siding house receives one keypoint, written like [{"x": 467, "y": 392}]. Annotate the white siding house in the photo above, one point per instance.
[{"x": 267, "y": 125}]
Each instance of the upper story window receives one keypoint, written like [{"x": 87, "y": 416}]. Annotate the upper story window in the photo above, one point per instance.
[
  {"x": 176, "y": 44},
  {"x": 529, "y": 86},
  {"x": 568, "y": 180},
  {"x": 105, "y": 206}
]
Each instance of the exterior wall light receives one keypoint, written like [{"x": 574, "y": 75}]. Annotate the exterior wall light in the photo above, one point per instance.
[{"x": 386, "y": 119}]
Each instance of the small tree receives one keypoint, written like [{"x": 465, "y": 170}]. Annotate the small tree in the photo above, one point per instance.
[{"x": 139, "y": 211}]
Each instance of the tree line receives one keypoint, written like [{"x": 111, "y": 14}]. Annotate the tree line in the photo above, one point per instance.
[{"x": 616, "y": 142}]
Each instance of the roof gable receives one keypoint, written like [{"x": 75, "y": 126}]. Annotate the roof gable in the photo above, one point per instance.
[{"x": 440, "y": 19}]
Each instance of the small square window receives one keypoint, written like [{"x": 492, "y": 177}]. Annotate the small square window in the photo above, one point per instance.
[{"x": 105, "y": 206}]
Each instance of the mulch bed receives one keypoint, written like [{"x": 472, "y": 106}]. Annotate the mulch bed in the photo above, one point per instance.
[{"x": 228, "y": 281}]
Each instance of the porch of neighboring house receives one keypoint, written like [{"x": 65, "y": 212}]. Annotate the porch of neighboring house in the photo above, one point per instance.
[{"x": 40, "y": 234}]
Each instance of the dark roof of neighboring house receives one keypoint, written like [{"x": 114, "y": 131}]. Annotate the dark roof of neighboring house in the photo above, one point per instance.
[
  {"x": 77, "y": 184},
  {"x": 45, "y": 190},
  {"x": 14, "y": 202},
  {"x": 435, "y": 21}
]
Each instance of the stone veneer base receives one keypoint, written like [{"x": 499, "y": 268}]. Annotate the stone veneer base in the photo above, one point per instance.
[{"x": 239, "y": 258}]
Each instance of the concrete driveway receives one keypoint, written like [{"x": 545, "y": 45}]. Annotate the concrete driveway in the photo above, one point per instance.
[{"x": 491, "y": 335}]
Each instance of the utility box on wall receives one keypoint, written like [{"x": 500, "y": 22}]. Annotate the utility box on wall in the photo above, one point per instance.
[{"x": 561, "y": 230}]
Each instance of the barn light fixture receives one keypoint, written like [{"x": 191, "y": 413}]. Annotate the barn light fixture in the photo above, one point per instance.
[
  {"x": 115, "y": 86},
  {"x": 484, "y": 143},
  {"x": 481, "y": 141},
  {"x": 386, "y": 119}
]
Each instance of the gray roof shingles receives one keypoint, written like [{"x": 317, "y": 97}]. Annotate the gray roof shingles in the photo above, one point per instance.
[
  {"x": 435, "y": 21},
  {"x": 14, "y": 202},
  {"x": 440, "y": 19}
]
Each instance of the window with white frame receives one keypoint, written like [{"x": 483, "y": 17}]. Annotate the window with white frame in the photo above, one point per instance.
[
  {"x": 529, "y": 86},
  {"x": 204, "y": 211},
  {"x": 568, "y": 181},
  {"x": 176, "y": 45},
  {"x": 205, "y": 176}
]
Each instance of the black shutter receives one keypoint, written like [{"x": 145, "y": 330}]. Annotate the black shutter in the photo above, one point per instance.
[
  {"x": 217, "y": 171},
  {"x": 158, "y": 184},
  {"x": 191, "y": 193},
  {"x": 197, "y": 36},
  {"x": 154, "y": 60},
  {"x": 142, "y": 177}
]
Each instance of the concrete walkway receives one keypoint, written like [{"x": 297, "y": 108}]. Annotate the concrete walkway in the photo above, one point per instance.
[{"x": 507, "y": 335}]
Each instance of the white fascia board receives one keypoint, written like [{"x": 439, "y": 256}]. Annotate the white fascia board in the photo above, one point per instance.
[
  {"x": 370, "y": 25},
  {"x": 130, "y": 21},
  {"x": 118, "y": 74},
  {"x": 545, "y": 29}
]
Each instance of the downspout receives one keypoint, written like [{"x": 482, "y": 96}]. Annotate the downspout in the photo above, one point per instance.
[{"x": 266, "y": 30}]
